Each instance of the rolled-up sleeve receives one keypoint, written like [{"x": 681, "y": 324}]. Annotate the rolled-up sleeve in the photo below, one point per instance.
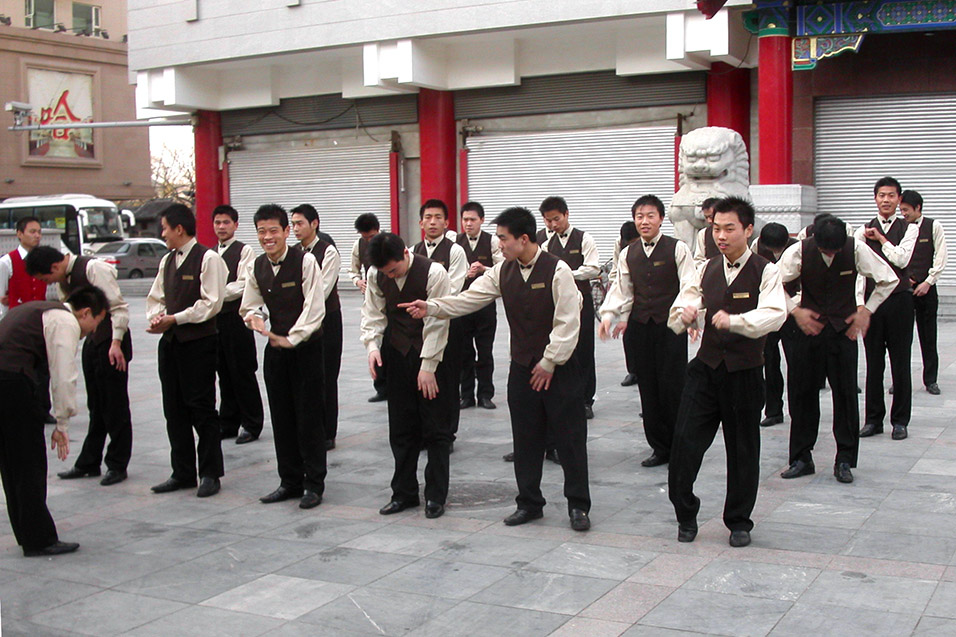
[{"x": 61, "y": 332}]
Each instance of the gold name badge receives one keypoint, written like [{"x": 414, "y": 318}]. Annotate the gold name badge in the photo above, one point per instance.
[
  {"x": 537, "y": 286},
  {"x": 188, "y": 277},
  {"x": 846, "y": 272},
  {"x": 574, "y": 252},
  {"x": 289, "y": 284},
  {"x": 741, "y": 295},
  {"x": 924, "y": 240},
  {"x": 657, "y": 263}
]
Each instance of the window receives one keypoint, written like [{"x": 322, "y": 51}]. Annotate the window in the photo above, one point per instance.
[
  {"x": 86, "y": 19},
  {"x": 39, "y": 14},
  {"x": 145, "y": 250}
]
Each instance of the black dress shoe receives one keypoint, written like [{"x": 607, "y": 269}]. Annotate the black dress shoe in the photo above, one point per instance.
[
  {"x": 841, "y": 471},
  {"x": 485, "y": 403},
  {"x": 588, "y": 412},
  {"x": 76, "y": 472},
  {"x": 172, "y": 485},
  {"x": 377, "y": 398},
  {"x": 208, "y": 487},
  {"x": 654, "y": 460},
  {"x": 310, "y": 500},
  {"x": 225, "y": 434},
  {"x": 509, "y": 457},
  {"x": 246, "y": 436},
  {"x": 739, "y": 538},
  {"x": 522, "y": 516},
  {"x": 113, "y": 476},
  {"x": 434, "y": 509},
  {"x": 629, "y": 380},
  {"x": 686, "y": 533},
  {"x": 580, "y": 520},
  {"x": 330, "y": 444},
  {"x": 899, "y": 432},
  {"x": 799, "y": 468},
  {"x": 933, "y": 388},
  {"x": 869, "y": 429},
  {"x": 281, "y": 495},
  {"x": 770, "y": 421},
  {"x": 397, "y": 506},
  {"x": 467, "y": 402},
  {"x": 57, "y": 548},
  {"x": 552, "y": 455}
]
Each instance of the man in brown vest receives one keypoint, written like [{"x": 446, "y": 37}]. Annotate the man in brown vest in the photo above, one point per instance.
[
  {"x": 743, "y": 297},
  {"x": 182, "y": 306},
  {"x": 367, "y": 226},
  {"x": 305, "y": 224},
  {"x": 240, "y": 404},
  {"x": 830, "y": 321},
  {"x": 106, "y": 357},
  {"x": 628, "y": 235},
  {"x": 891, "y": 327},
  {"x": 419, "y": 382},
  {"x": 651, "y": 273},
  {"x": 478, "y": 329},
  {"x": 289, "y": 282},
  {"x": 576, "y": 248},
  {"x": 705, "y": 248},
  {"x": 543, "y": 307},
  {"x": 926, "y": 266},
  {"x": 35, "y": 335}
]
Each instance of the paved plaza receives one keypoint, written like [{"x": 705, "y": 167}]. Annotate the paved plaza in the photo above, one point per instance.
[{"x": 877, "y": 557}]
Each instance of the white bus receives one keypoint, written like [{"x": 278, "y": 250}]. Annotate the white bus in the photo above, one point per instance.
[{"x": 84, "y": 221}]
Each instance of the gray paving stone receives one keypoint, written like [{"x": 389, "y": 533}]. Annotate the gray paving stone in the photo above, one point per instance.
[
  {"x": 943, "y": 603},
  {"x": 717, "y": 613},
  {"x": 278, "y": 596},
  {"x": 798, "y": 537},
  {"x": 441, "y": 578},
  {"x": 495, "y": 550},
  {"x": 347, "y": 566},
  {"x": 369, "y": 611},
  {"x": 935, "y": 627},
  {"x": 548, "y": 592},
  {"x": 106, "y": 613},
  {"x": 575, "y": 558},
  {"x": 753, "y": 579},
  {"x": 200, "y": 620},
  {"x": 902, "y": 546},
  {"x": 805, "y": 619},
  {"x": 470, "y": 619},
  {"x": 27, "y": 595},
  {"x": 404, "y": 540},
  {"x": 860, "y": 591}
]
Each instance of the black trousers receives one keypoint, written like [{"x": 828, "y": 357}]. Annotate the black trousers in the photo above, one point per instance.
[
  {"x": 332, "y": 363},
  {"x": 43, "y": 400},
  {"x": 240, "y": 403},
  {"x": 187, "y": 373},
  {"x": 107, "y": 397},
  {"x": 415, "y": 423},
  {"x": 451, "y": 361},
  {"x": 891, "y": 331},
  {"x": 926, "y": 308},
  {"x": 555, "y": 414},
  {"x": 714, "y": 397},
  {"x": 293, "y": 378},
  {"x": 629, "y": 362},
  {"x": 478, "y": 340},
  {"x": 23, "y": 462},
  {"x": 828, "y": 356},
  {"x": 584, "y": 351},
  {"x": 771, "y": 365},
  {"x": 660, "y": 362}
]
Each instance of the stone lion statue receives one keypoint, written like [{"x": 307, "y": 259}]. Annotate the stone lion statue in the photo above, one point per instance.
[{"x": 713, "y": 162}]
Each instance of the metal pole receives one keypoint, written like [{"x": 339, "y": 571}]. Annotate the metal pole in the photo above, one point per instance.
[{"x": 66, "y": 126}]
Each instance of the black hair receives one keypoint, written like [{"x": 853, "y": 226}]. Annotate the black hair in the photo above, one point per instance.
[
  {"x": 366, "y": 222},
  {"x": 23, "y": 221},
  {"x": 307, "y": 211},
  {"x": 829, "y": 232},
  {"x": 887, "y": 181},
  {"x": 740, "y": 207},
  {"x": 628, "y": 232},
  {"x": 709, "y": 202},
  {"x": 432, "y": 203},
  {"x": 40, "y": 260},
  {"x": 517, "y": 221},
  {"x": 648, "y": 200},
  {"x": 554, "y": 203},
  {"x": 89, "y": 296},
  {"x": 474, "y": 206},
  {"x": 269, "y": 212},
  {"x": 912, "y": 198},
  {"x": 226, "y": 210},
  {"x": 180, "y": 215},
  {"x": 774, "y": 236},
  {"x": 384, "y": 248}
]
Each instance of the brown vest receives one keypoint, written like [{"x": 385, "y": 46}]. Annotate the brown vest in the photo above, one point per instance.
[
  {"x": 405, "y": 333},
  {"x": 231, "y": 256},
  {"x": 78, "y": 278},
  {"x": 655, "y": 279},
  {"x": 363, "y": 255},
  {"x": 572, "y": 254},
  {"x": 710, "y": 246},
  {"x": 830, "y": 292},
  {"x": 717, "y": 346},
  {"x": 530, "y": 307},
  {"x": 182, "y": 288},
  {"x": 440, "y": 255},
  {"x": 923, "y": 253},
  {"x": 332, "y": 302},
  {"x": 481, "y": 254},
  {"x": 282, "y": 291},
  {"x": 22, "y": 344},
  {"x": 895, "y": 234}
]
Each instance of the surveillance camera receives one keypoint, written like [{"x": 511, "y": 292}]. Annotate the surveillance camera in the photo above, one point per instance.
[{"x": 17, "y": 106}]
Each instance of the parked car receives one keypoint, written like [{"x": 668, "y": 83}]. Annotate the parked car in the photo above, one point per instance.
[{"x": 134, "y": 258}]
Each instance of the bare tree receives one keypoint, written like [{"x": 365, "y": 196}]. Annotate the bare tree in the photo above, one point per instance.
[{"x": 174, "y": 174}]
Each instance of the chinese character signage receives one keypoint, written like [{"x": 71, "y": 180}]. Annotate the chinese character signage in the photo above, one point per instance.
[{"x": 60, "y": 97}]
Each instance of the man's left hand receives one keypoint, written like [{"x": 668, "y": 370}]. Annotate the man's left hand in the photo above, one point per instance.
[
  {"x": 117, "y": 359},
  {"x": 427, "y": 384},
  {"x": 922, "y": 289},
  {"x": 540, "y": 379},
  {"x": 279, "y": 341},
  {"x": 60, "y": 441},
  {"x": 161, "y": 324},
  {"x": 721, "y": 320}
]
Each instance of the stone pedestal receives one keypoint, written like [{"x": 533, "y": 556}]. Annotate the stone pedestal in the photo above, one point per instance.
[{"x": 793, "y": 205}]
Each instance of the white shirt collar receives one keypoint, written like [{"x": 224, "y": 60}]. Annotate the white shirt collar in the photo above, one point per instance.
[
  {"x": 224, "y": 245},
  {"x": 742, "y": 260}
]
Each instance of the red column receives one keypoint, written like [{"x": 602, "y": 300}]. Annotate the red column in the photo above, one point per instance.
[
  {"x": 438, "y": 141},
  {"x": 209, "y": 180},
  {"x": 728, "y": 98},
  {"x": 775, "y": 109},
  {"x": 395, "y": 195}
]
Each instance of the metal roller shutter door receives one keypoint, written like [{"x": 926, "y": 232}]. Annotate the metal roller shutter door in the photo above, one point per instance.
[
  {"x": 910, "y": 137},
  {"x": 341, "y": 183},
  {"x": 599, "y": 172}
]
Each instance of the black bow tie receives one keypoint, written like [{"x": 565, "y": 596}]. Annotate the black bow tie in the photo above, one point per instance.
[
  {"x": 886, "y": 221},
  {"x": 563, "y": 236},
  {"x": 430, "y": 244},
  {"x": 733, "y": 265},
  {"x": 222, "y": 246},
  {"x": 525, "y": 267},
  {"x": 275, "y": 264},
  {"x": 472, "y": 239},
  {"x": 648, "y": 245},
  {"x": 180, "y": 252}
]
